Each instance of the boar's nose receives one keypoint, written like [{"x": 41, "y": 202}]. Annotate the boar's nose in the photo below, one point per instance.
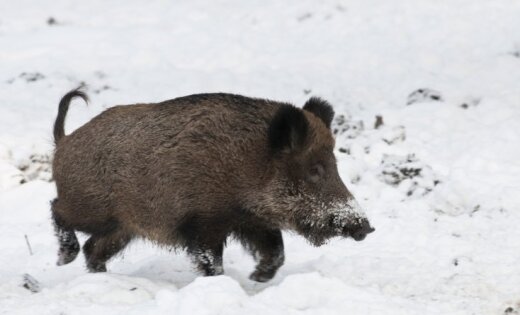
[{"x": 360, "y": 233}]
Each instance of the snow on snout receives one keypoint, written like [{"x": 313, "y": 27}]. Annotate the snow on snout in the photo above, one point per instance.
[{"x": 349, "y": 212}]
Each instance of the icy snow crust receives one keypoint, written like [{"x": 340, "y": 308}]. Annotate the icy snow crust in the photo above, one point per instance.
[{"x": 439, "y": 179}]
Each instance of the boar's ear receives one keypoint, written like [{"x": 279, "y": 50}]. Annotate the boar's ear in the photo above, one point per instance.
[
  {"x": 288, "y": 129},
  {"x": 321, "y": 108}
]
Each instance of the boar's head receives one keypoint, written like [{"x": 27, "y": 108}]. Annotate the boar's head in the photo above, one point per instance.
[{"x": 307, "y": 187}]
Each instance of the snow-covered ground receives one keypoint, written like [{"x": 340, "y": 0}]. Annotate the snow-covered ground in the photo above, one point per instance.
[{"x": 440, "y": 179}]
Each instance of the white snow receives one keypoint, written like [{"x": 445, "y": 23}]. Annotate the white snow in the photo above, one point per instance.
[{"x": 447, "y": 239}]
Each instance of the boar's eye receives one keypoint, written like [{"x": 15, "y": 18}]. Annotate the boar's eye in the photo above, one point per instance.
[{"x": 316, "y": 172}]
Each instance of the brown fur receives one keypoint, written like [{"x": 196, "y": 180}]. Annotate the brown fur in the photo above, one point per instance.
[{"x": 190, "y": 172}]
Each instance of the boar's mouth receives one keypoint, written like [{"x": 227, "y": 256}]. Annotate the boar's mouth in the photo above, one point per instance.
[
  {"x": 315, "y": 232},
  {"x": 319, "y": 234},
  {"x": 346, "y": 220}
]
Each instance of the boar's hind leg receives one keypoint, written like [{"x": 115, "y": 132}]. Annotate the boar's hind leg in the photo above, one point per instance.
[
  {"x": 208, "y": 258},
  {"x": 69, "y": 245},
  {"x": 266, "y": 246},
  {"x": 99, "y": 249}
]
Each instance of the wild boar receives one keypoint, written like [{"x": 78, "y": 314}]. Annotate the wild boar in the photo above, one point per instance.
[{"x": 193, "y": 171}]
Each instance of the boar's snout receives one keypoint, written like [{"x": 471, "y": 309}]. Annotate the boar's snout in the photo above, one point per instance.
[
  {"x": 360, "y": 232},
  {"x": 353, "y": 222}
]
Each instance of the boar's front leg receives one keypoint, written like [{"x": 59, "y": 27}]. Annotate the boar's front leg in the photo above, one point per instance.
[
  {"x": 208, "y": 258},
  {"x": 204, "y": 240},
  {"x": 266, "y": 246}
]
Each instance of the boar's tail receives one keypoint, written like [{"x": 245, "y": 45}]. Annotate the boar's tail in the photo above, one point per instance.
[{"x": 59, "y": 130}]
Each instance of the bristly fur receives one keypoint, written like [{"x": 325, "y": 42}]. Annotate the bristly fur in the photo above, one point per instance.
[
  {"x": 321, "y": 108},
  {"x": 288, "y": 129},
  {"x": 59, "y": 129},
  {"x": 189, "y": 173}
]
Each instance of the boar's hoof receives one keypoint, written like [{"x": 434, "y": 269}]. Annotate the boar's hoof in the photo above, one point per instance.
[
  {"x": 96, "y": 267},
  {"x": 262, "y": 276},
  {"x": 67, "y": 255},
  {"x": 210, "y": 271}
]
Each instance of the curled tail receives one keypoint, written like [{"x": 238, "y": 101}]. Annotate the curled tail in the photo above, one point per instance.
[{"x": 59, "y": 130}]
